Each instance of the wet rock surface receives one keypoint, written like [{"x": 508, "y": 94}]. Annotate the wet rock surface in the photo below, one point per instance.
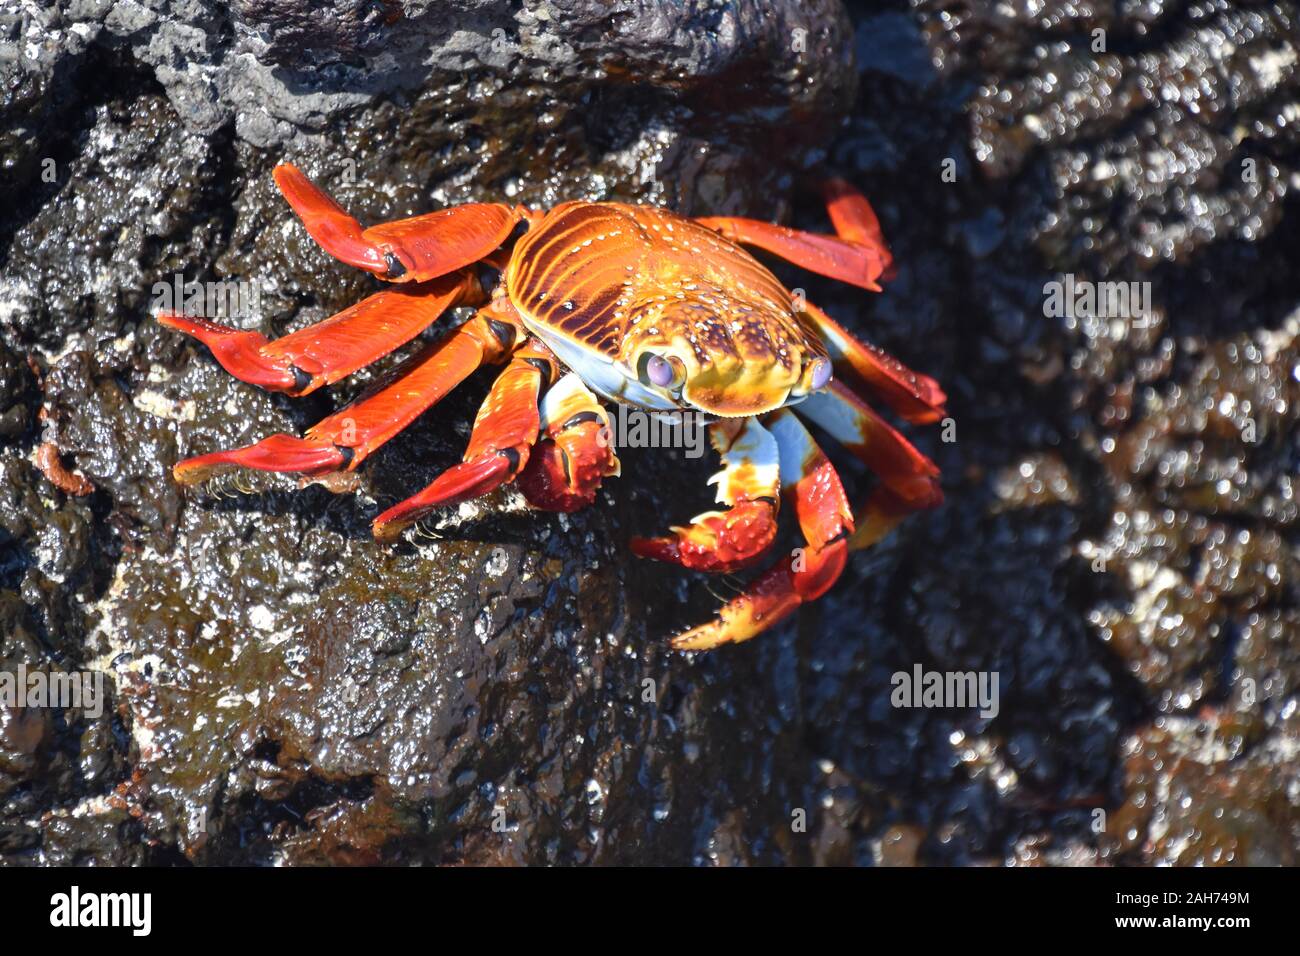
[{"x": 1118, "y": 545}]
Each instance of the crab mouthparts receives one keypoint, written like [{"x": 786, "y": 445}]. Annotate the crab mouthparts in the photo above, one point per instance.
[{"x": 733, "y": 400}]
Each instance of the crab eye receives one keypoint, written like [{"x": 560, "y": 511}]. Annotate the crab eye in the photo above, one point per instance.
[
  {"x": 821, "y": 374},
  {"x": 656, "y": 370}
]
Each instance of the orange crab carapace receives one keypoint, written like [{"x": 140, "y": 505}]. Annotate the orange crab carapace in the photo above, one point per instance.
[{"x": 616, "y": 303}]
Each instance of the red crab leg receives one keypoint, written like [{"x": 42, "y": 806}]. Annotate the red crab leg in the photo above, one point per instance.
[
  {"x": 749, "y": 483},
  {"x": 346, "y": 438},
  {"x": 810, "y": 482},
  {"x": 857, "y": 254},
  {"x": 504, "y": 431},
  {"x": 404, "y": 250},
  {"x": 567, "y": 465},
  {"x": 912, "y": 476},
  {"x": 916, "y": 397},
  {"x": 320, "y": 354},
  {"x": 909, "y": 480},
  {"x": 881, "y": 514}
]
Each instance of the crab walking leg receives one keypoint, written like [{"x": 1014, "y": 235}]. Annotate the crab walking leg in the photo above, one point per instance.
[
  {"x": 916, "y": 397},
  {"x": 857, "y": 254},
  {"x": 505, "y": 429},
  {"x": 404, "y": 250},
  {"x": 749, "y": 484},
  {"x": 576, "y": 452},
  {"x": 912, "y": 476},
  {"x": 882, "y": 513},
  {"x": 909, "y": 480},
  {"x": 346, "y": 438},
  {"x": 809, "y": 480},
  {"x": 321, "y": 354}
]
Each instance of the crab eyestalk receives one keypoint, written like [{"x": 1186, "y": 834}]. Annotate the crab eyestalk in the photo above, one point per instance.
[{"x": 819, "y": 376}]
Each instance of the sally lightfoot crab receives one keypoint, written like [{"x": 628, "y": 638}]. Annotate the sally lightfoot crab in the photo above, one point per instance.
[{"x": 621, "y": 303}]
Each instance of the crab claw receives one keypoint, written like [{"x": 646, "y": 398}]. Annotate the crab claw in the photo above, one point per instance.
[
  {"x": 721, "y": 541},
  {"x": 564, "y": 473},
  {"x": 748, "y": 484},
  {"x": 566, "y": 467},
  {"x": 809, "y": 480},
  {"x": 776, "y": 593}
]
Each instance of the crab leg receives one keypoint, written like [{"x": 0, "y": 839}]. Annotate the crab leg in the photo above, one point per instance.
[
  {"x": 505, "y": 429},
  {"x": 854, "y": 424},
  {"x": 749, "y": 484},
  {"x": 404, "y": 250},
  {"x": 321, "y": 354},
  {"x": 909, "y": 480},
  {"x": 810, "y": 482},
  {"x": 916, "y": 397},
  {"x": 856, "y": 254},
  {"x": 346, "y": 438},
  {"x": 882, "y": 513},
  {"x": 567, "y": 465}
]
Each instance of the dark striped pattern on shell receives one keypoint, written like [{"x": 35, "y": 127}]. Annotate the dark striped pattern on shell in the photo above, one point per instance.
[{"x": 613, "y": 277}]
